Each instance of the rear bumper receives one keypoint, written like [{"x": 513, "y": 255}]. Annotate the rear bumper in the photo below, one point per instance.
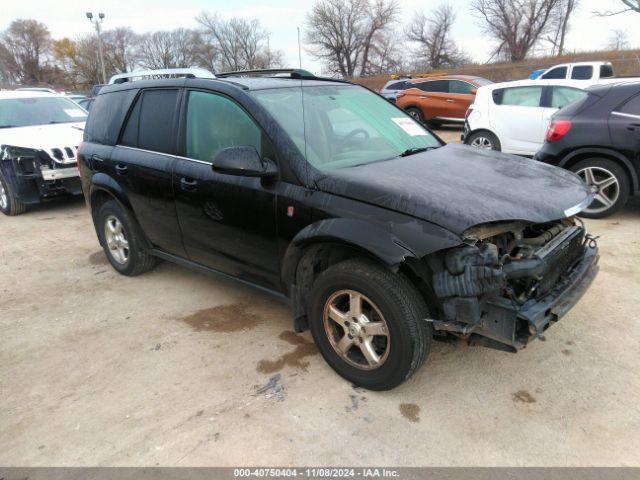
[{"x": 511, "y": 328}]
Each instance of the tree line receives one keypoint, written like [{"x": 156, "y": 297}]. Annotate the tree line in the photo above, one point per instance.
[{"x": 350, "y": 38}]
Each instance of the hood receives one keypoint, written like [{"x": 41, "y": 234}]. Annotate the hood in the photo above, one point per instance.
[
  {"x": 54, "y": 139},
  {"x": 458, "y": 187}
]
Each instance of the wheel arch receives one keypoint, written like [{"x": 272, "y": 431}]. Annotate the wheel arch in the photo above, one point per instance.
[{"x": 584, "y": 153}]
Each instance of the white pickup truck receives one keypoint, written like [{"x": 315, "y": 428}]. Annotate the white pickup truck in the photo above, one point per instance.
[{"x": 591, "y": 73}]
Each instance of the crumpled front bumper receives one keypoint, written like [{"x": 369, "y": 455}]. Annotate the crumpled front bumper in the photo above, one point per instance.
[{"x": 511, "y": 327}]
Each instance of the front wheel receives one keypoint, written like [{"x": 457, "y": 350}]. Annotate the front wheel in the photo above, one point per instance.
[
  {"x": 369, "y": 324},
  {"x": 484, "y": 140},
  {"x": 9, "y": 204},
  {"x": 608, "y": 182}
]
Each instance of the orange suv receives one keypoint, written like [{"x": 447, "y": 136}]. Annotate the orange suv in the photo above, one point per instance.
[{"x": 438, "y": 100}]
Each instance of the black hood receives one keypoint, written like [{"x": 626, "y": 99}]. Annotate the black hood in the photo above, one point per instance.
[{"x": 458, "y": 187}]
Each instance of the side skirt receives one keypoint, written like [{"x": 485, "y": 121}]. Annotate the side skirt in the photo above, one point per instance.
[{"x": 212, "y": 271}]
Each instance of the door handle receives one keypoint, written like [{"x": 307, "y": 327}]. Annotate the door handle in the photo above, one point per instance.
[
  {"x": 188, "y": 184},
  {"x": 423, "y": 97},
  {"x": 96, "y": 162},
  {"x": 449, "y": 100},
  {"x": 121, "y": 169},
  {"x": 633, "y": 126},
  {"x": 96, "y": 158}
]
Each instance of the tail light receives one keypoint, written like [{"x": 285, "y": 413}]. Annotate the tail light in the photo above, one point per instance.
[
  {"x": 468, "y": 113},
  {"x": 558, "y": 129}
]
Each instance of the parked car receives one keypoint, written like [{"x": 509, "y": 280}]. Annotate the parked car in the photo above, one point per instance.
[
  {"x": 392, "y": 87},
  {"x": 86, "y": 103},
  {"x": 39, "y": 136},
  {"x": 599, "y": 139},
  {"x": 440, "y": 100},
  {"x": 512, "y": 117},
  {"x": 37, "y": 89},
  {"x": 588, "y": 73},
  {"x": 378, "y": 234}
]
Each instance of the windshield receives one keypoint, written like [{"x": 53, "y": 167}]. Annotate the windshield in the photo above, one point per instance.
[
  {"x": 22, "y": 112},
  {"x": 344, "y": 125}
]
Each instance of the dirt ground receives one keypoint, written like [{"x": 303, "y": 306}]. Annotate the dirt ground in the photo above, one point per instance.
[{"x": 173, "y": 368}]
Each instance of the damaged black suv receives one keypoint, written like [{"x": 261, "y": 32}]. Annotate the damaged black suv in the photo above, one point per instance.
[{"x": 379, "y": 235}]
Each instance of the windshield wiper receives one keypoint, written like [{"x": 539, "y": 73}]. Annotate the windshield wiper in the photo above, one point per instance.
[{"x": 411, "y": 151}]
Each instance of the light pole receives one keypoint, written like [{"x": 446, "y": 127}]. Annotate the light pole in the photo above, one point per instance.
[{"x": 97, "y": 23}]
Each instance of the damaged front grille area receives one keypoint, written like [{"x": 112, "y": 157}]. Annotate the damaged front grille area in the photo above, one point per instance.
[
  {"x": 65, "y": 155},
  {"x": 484, "y": 285}
]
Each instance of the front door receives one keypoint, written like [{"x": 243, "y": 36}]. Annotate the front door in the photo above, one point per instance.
[
  {"x": 624, "y": 124},
  {"x": 227, "y": 221}
]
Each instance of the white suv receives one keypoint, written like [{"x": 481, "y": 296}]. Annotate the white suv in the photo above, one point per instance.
[
  {"x": 39, "y": 135},
  {"x": 513, "y": 116}
]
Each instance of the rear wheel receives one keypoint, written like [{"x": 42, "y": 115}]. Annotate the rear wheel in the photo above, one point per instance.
[
  {"x": 608, "y": 181},
  {"x": 369, "y": 324},
  {"x": 9, "y": 204},
  {"x": 416, "y": 114},
  {"x": 122, "y": 240},
  {"x": 484, "y": 140}
]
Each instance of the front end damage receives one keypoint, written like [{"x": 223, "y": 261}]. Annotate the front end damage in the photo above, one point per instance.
[
  {"x": 36, "y": 175},
  {"x": 511, "y": 281}
]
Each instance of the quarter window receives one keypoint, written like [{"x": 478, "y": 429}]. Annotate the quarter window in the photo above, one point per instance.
[
  {"x": 606, "y": 71},
  {"x": 214, "y": 123},
  {"x": 518, "y": 96},
  {"x": 563, "y": 96},
  {"x": 583, "y": 72}
]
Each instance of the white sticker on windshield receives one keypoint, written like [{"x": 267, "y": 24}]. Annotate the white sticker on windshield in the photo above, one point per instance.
[
  {"x": 73, "y": 112},
  {"x": 409, "y": 126}
]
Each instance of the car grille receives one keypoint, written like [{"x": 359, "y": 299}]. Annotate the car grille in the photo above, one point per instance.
[
  {"x": 559, "y": 256},
  {"x": 65, "y": 155}
]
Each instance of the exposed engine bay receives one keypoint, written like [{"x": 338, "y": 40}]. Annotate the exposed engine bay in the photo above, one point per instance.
[{"x": 497, "y": 283}]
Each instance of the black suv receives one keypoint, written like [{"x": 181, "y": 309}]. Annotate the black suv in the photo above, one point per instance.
[
  {"x": 598, "y": 137},
  {"x": 379, "y": 235}
]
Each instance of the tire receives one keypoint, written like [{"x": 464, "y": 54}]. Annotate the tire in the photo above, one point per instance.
[
  {"x": 616, "y": 194},
  {"x": 9, "y": 204},
  {"x": 386, "y": 297},
  {"x": 416, "y": 114},
  {"x": 486, "y": 138},
  {"x": 117, "y": 227}
]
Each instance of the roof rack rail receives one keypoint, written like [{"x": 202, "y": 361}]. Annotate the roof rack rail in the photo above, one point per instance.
[
  {"x": 178, "y": 72},
  {"x": 270, "y": 72}
]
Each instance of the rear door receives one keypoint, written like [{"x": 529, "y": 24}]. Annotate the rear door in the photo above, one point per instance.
[
  {"x": 624, "y": 125},
  {"x": 516, "y": 116},
  {"x": 228, "y": 222},
  {"x": 142, "y": 163}
]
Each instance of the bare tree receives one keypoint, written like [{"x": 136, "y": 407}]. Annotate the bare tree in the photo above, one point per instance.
[
  {"x": 619, "y": 40},
  {"x": 343, "y": 33},
  {"x": 560, "y": 25},
  {"x": 517, "y": 25},
  {"x": 120, "y": 48},
  {"x": 25, "y": 46},
  {"x": 168, "y": 49},
  {"x": 630, "y": 6},
  {"x": 236, "y": 44},
  {"x": 433, "y": 35}
]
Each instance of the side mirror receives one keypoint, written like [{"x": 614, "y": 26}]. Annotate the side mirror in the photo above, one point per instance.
[
  {"x": 243, "y": 162},
  {"x": 473, "y": 91}
]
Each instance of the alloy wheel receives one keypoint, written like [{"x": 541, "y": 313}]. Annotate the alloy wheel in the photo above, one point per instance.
[
  {"x": 116, "y": 239},
  {"x": 482, "y": 142},
  {"x": 356, "y": 329},
  {"x": 4, "y": 200},
  {"x": 604, "y": 185}
]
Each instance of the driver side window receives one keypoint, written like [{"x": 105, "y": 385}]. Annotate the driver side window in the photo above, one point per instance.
[{"x": 214, "y": 123}]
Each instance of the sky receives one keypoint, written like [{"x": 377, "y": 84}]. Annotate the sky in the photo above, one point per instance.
[{"x": 282, "y": 17}]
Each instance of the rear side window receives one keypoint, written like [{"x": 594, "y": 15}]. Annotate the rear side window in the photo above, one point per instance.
[
  {"x": 606, "y": 71},
  {"x": 556, "y": 73},
  {"x": 583, "y": 72},
  {"x": 215, "y": 122},
  {"x": 106, "y": 117},
  {"x": 563, "y": 96},
  {"x": 150, "y": 125},
  {"x": 456, "y": 86},
  {"x": 632, "y": 107},
  {"x": 518, "y": 96},
  {"x": 437, "y": 86}
]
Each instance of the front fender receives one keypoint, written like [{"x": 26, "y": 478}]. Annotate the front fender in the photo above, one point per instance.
[{"x": 413, "y": 239}]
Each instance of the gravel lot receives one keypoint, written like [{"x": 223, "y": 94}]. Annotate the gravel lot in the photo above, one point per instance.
[{"x": 167, "y": 369}]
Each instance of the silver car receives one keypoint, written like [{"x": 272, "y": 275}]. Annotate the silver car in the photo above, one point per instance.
[{"x": 392, "y": 87}]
